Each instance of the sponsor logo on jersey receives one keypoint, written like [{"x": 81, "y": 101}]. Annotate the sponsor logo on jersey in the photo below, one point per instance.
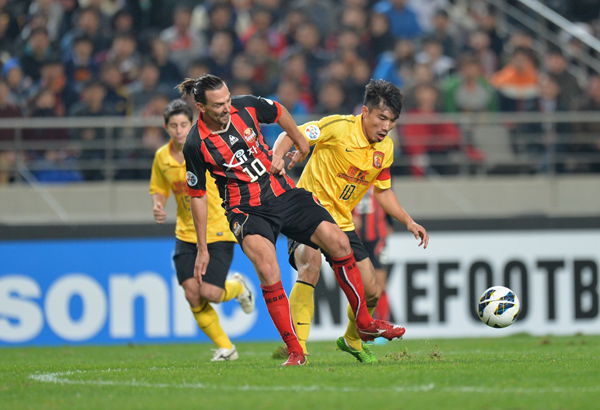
[
  {"x": 249, "y": 134},
  {"x": 233, "y": 139},
  {"x": 239, "y": 158},
  {"x": 191, "y": 178},
  {"x": 378, "y": 159},
  {"x": 312, "y": 132}
]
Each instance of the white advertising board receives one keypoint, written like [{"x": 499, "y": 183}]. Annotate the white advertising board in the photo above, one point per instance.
[{"x": 433, "y": 292}]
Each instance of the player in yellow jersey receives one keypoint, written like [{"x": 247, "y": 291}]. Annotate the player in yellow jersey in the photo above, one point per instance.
[
  {"x": 169, "y": 175},
  {"x": 351, "y": 153}
]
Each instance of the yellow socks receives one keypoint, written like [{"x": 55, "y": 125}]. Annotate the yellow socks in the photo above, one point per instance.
[
  {"x": 351, "y": 335},
  {"x": 302, "y": 307},
  {"x": 233, "y": 288},
  {"x": 208, "y": 321}
]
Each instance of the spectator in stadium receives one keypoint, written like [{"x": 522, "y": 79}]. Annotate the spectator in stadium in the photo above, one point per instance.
[
  {"x": 518, "y": 81},
  {"x": 184, "y": 43},
  {"x": 117, "y": 95},
  {"x": 56, "y": 166},
  {"x": 38, "y": 50},
  {"x": 479, "y": 44},
  {"x": 403, "y": 19},
  {"x": 442, "y": 32},
  {"x": 468, "y": 90},
  {"x": 433, "y": 55},
  {"x": 169, "y": 72},
  {"x": 265, "y": 68},
  {"x": 18, "y": 84},
  {"x": 147, "y": 86},
  {"x": 87, "y": 22},
  {"x": 8, "y": 35},
  {"x": 91, "y": 140},
  {"x": 548, "y": 141},
  {"x": 45, "y": 104},
  {"x": 81, "y": 67},
  {"x": 169, "y": 176},
  {"x": 428, "y": 145},
  {"x": 124, "y": 54},
  {"x": 53, "y": 78},
  {"x": 555, "y": 65},
  {"x": 332, "y": 98},
  {"x": 265, "y": 203},
  {"x": 382, "y": 39},
  {"x": 351, "y": 154},
  {"x": 220, "y": 53},
  {"x": 262, "y": 25},
  {"x": 308, "y": 42},
  {"x": 393, "y": 65}
]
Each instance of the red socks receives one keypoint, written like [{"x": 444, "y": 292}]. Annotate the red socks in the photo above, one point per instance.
[
  {"x": 279, "y": 309},
  {"x": 348, "y": 277},
  {"x": 382, "y": 311}
]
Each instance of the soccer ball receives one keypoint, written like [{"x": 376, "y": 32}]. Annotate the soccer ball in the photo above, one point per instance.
[{"x": 498, "y": 306}]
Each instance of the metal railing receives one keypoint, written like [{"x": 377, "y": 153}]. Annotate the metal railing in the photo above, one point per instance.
[{"x": 487, "y": 143}]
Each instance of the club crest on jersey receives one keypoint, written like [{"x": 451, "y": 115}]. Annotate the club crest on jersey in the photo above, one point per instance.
[
  {"x": 249, "y": 134},
  {"x": 191, "y": 178},
  {"x": 378, "y": 159},
  {"x": 312, "y": 132},
  {"x": 237, "y": 159},
  {"x": 233, "y": 139}
]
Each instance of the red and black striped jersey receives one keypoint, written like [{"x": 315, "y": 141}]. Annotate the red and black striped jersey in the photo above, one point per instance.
[
  {"x": 373, "y": 219},
  {"x": 237, "y": 156}
]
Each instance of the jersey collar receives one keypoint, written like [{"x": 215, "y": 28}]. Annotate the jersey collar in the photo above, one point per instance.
[{"x": 205, "y": 132}]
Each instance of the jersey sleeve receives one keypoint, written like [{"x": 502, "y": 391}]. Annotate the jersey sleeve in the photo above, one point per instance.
[
  {"x": 266, "y": 110},
  {"x": 158, "y": 182},
  {"x": 384, "y": 179},
  {"x": 318, "y": 132},
  {"x": 195, "y": 165}
]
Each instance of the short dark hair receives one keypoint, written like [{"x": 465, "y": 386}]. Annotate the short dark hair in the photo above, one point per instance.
[
  {"x": 381, "y": 92},
  {"x": 178, "y": 106},
  {"x": 197, "y": 87}
]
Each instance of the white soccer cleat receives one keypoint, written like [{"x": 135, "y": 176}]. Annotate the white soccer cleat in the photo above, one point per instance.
[
  {"x": 246, "y": 298},
  {"x": 223, "y": 354}
]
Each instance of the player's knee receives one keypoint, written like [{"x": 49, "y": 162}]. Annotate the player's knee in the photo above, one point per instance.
[
  {"x": 212, "y": 295},
  {"x": 192, "y": 294},
  {"x": 341, "y": 245},
  {"x": 309, "y": 270}
]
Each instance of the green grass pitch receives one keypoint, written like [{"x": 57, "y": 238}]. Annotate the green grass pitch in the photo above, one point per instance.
[{"x": 516, "y": 372}]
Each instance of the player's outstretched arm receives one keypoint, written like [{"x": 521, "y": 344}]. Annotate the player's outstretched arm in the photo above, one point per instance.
[
  {"x": 286, "y": 121},
  {"x": 199, "y": 206},
  {"x": 390, "y": 204},
  {"x": 282, "y": 145}
]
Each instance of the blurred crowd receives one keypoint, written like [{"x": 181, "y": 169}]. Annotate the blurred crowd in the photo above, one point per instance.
[{"x": 90, "y": 58}]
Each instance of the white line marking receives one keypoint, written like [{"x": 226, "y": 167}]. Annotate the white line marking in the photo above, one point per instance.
[{"x": 66, "y": 378}]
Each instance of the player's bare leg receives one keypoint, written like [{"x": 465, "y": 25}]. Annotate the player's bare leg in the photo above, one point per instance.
[
  {"x": 332, "y": 240},
  {"x": 262, "y": 254},
  {"x": 208, "y": 321}
]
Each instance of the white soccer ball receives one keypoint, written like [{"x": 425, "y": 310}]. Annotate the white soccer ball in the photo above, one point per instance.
[{"x": 498, "y": 306}]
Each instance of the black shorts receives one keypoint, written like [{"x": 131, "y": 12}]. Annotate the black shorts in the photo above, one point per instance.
[
  {"x": 374, "y": 253},
  {"x": 359, "y": 249},
  {"x": 221, "y": 255},
  {"x": 296, "y": 214}
]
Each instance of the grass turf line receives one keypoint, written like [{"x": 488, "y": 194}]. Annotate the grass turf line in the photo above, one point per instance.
[{"x": 516, "y": 372}]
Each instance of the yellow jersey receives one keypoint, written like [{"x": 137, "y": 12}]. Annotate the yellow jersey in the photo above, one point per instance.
[
  {"x": 344, "y": 164},
  {"x": 168, "y": 176}
]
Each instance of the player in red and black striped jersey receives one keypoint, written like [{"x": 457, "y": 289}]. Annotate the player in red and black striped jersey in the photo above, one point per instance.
[{"x": 259, "y": 204}]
